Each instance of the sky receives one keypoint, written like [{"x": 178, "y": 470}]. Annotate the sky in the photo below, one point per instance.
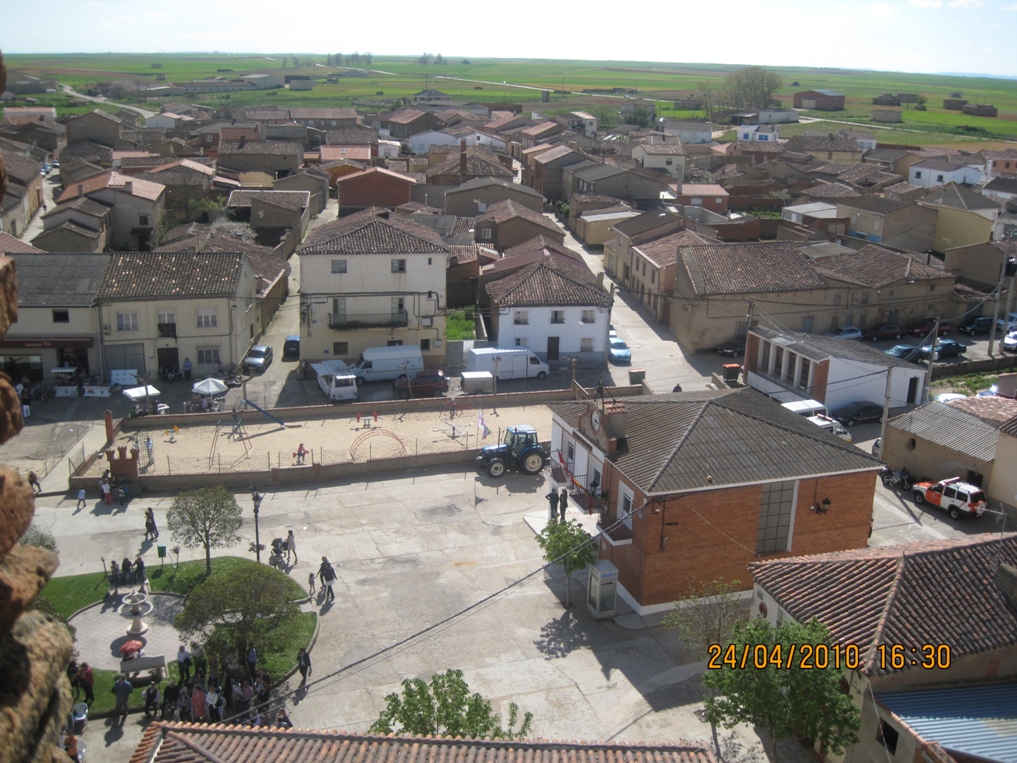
[{"x": 930, "y": 36}]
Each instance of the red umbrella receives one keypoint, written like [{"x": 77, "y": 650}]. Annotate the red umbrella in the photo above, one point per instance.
[{"x": 131, "y": 646}]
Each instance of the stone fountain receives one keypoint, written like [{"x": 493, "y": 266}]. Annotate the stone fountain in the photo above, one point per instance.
[{"x": 136, "y": 605}]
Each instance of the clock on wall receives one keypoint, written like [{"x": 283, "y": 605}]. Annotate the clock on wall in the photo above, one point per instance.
[{"x": 595, "y": 420}]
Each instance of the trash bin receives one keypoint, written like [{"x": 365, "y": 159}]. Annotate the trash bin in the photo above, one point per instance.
[
  {"x": 731, "y": 372},
  {"x": 636, "y": 375},
  {"x": 161, "y": 550}
]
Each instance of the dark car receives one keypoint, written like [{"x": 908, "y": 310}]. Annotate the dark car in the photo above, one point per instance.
[
  {"x": 980, "y": 325},
  {"x": 879, "y": 333},
  {"x": 858, "y": 413},
  {"x": 945, "y": 348},
  {"x": 258, "y": 358},
  {"x": 291, "y": 347},
  {"x": 426, "y": 383},
  {"x": 906, "y": 352},
  {"x": 733, "y": 349},
  {"x": 924, "y": 328}
]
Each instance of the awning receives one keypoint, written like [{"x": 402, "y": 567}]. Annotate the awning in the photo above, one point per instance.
[
  {"x": 43, "y": 344},
  {"x": 139, "y": 393}
]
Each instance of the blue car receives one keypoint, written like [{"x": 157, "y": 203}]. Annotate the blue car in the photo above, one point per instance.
[{"x": 618, "y": 352}]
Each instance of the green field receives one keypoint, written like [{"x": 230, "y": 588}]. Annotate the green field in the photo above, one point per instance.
[{"x": 596, "y": 86}]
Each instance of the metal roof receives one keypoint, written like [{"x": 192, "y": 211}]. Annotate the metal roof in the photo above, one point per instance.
[
  {"x": 979, "y": 721},
  {"x": 945, "y": 425}
]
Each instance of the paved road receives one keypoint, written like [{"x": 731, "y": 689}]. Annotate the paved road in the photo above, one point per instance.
[{"x": 99, "y": 99}]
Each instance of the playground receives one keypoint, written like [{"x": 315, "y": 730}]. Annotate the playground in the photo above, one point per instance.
[{"x": 234, "y": 445}]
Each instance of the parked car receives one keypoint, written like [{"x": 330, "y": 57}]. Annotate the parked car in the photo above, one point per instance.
[
  {"x": 879, "y": 333},
  {"x": 426, "y": 383},
  {"x": 858, "y": 413},
  {"x": 905, "y": 352},
  {"x": 979, "y": 325},
  {"x": 877, "y": 446},
  {"x": 733, "y": 349},
  {"x": 1007, "y": 323},
  {"x": 848, "y": 332},
  {"x": 946, "y": 397},
  {"x": 618, "y": 352},
  {"x": 945, "y": 348},
  {"x": 926, "y": 327},
  {"x": 291, "y": 347},
  {"x": 258, "y": 358},
  {"x": 1010, "y": 342},
  {"x": 956, "y": 498}
]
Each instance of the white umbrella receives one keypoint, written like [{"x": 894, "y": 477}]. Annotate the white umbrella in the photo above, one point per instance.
[
  {"x": 210, "y": 387},
  {"x": 140, "y": 393}
]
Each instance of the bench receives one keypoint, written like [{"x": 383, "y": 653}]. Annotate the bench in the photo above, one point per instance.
[{"x": 139, "y": 664}]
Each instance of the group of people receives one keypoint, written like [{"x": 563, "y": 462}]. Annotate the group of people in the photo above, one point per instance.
[
  {"x": 176, "y": 373},
  {"x": 128, "y": 572},
  {"x": 559, "y": 504},
  {"x": 111, "y": 488},
  {"x": 82, "y": 681}
]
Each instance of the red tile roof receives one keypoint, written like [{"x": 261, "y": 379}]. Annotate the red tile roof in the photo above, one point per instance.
[
  {"x": 194, "y": 743},
  {"x": 11, "y": 245},
  {"x": 144, "y": 189},
  {"x": 936, "y": 592}
]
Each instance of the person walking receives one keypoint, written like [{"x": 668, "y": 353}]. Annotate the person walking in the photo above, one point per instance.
[
  {"x": 87, "y": 682},
  {"x": 563, "y": 504},
  {"x": 303, "y": 664},
  {"x": 184, "y": 664},
  {"x": 81, "y": 498},
  {"x": 291, "y": 547},
  {"x": 107, "y": 492},
  {"x": 151, "y": 530},
  {"x": 122, "y": 689},
  {"x": 252, "y": 661},
  {"x": 310, "y": 583},
  {"x": 552, "y": 498},
  {"x": 187, "y": 368},
  {"x": 301, "y": 454},
  {"x": 33, "y": 480},
  {"x": 327, "y": 574}
]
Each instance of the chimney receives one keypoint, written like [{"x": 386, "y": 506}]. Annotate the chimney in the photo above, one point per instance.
[
  {"x": 616, "y": 415},
  {"x": 462, "y": 157},
  {"x": 81, "y": 190},
  {"x": 129, "y": 186},
  {"x": 1006, "y": 580}
]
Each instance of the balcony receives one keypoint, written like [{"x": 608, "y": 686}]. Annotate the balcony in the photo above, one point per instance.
[
  {"x": 168, "y": 330},
  {"x": 368, "y": 320}
]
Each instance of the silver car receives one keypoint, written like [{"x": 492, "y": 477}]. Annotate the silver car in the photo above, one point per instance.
[{"x": 258, "y": 358}]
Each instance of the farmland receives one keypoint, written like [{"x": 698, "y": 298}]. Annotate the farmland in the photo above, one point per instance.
[{"x": 596, "y": 86}]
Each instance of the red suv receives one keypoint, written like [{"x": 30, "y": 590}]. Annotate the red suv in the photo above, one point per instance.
[{"x": 424, "y": 384}]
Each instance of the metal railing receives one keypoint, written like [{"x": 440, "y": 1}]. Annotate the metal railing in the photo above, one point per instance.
[{"x": 367, "y": 320}]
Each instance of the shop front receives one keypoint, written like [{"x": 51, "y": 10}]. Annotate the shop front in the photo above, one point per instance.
[{"x": 28, "y": 359}]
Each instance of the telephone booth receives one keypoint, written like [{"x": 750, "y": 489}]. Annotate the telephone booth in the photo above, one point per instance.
[{"x": 603, "y": 584}]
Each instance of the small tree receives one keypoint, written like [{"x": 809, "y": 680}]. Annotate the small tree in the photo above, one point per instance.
[
  {"x": 244, "y": 605},
  {"x": 751, "y": 87},
  {"x": 207, "y": 518},
  {"x": 35, "y": 536},
  {"x": 711, "y": 620},
  {"x": 783, "y": 699},
  {"x": 446, "y": 707},
  {"x": 567, "y": 544}
]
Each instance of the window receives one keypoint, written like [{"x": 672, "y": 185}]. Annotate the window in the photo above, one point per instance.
[
  {"x": 803, "y": 373},
  {"x": 557, "y": 316},
  {"x": 143, "y": 221},
  {"x": 764, "y": 363},
  {"x": 653, "y": 276},
  {"x": 127, "y": 321},
  {"x": 586, "y": 345},
  {"x": 669, "y": 162},
  {"x": 778, "y": 361},
  {"x": 61, "y": 316},
  {"x": 888, "y": 736},
  {"x": 167, "y": 323},
  {"x": 340, "y": 348},
  {"x": 207, "y": 318},
  {"x": 521, "y": 341},
  {"x": 398, "y": 266},
  {"x": 208, "y": 355},
  {"x": 588, "y": 316},
  {"x": 776, "y": 508},
  {"x": 485, "y": 233},
  {"x": 425, "y": 345},
  {"x": 939, "y": 178},
  {"x": 521, "y": 318},
  {"x": 339, "y": 266},
  {"x": 918, "y": 173},
  {"x": 398, "y": 306}
]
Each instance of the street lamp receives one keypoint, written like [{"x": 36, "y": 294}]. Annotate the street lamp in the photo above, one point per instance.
[{"x": 256, "y": 497}]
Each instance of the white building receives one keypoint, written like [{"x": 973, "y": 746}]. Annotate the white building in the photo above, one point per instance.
[{"x": 930, "y": 173}]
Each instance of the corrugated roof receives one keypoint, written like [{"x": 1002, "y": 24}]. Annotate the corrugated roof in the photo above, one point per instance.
[
  {"x": 693, "y": 441},
  {"x": 979, "y": 720},
  {"x": 818, "y": 347},
  {"x": 951, "y": 428},
  {"x": 60, "y": 280}
]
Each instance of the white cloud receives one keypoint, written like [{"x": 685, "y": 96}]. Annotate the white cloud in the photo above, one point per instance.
[
  {"x": 882, "y": 10},
  {"x": 927, "y": 3},
  {"x": 1011, "y": 7},
  {"x": 964, "y": 4},
  {"x": 157, "y": 15}
]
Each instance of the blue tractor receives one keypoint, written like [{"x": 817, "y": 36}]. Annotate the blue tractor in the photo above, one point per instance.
[{"x": 520, "y": 450}]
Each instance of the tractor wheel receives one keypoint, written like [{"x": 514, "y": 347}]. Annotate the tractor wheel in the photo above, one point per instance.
[
  {"x": 496, "y": 468},
  {"x": 532, "y": 463}
]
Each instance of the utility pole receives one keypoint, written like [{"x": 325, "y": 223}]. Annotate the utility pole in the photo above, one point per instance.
[
  {"x": 886, "y": 411},
  {"x": 1009, "y": 269},
  {"x": 932, "y": 359},
  {"x": 995, "y": 309}
]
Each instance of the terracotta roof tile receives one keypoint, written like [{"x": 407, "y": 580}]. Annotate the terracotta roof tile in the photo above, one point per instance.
[
  {"x": 506, "y": 210},
  {"x": 260, "y": 147},
  {"x": 549, "y": 281},
  {"x": 143, "y": 275},
  {"x": 144, "y": 189},
  {"x": 664, "y": 251},
  {"x": 11, "y": 245},
  {"x": 285, "y": 199},
  {"x": 373, "y": 232},
  {"x": 875, "y": 267},
  {"x": 748, "y": 268},
  {"x": 936, "y": 592}
]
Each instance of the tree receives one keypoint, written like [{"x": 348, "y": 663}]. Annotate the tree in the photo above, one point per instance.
[
  {"x": 206, "y": 518},
  {"x": 751, "y": 88},
  {"x": 234, "y": 229},
  {"x": 285, "y": 61},
  {"x": 36, "y": 537},
  {"x": 705, "y": 93},
  {"x": 640, "y": 116},
  {"x": 238, "y": 607},
  {"x": 439, "y": 60},
  {"x": 567, "y": 544},
  {"x": 712, "y": 619},
  {"x": 446, "y": 707},
  {"x": 368, "y": 58},
  {"x": 783, "y": 699}
]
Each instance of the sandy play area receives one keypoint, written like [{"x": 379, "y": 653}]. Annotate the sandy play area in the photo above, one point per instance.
[{"x": 264, "y": 444}]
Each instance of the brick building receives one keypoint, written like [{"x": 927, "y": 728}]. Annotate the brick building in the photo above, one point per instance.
[
  {"x": 820, "y": 100},
  {"x": 696, "y": 486},
  {"x": 374, "y": 187}
]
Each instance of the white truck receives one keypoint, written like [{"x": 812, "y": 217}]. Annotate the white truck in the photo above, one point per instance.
[
  {"x": 507, "y": 362},
  {"x": 335, "y": 380},
  {"x": 387, "y": 363}
]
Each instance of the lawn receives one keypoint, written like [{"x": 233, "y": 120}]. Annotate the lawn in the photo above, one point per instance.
[{"x": 74, "y": 592}]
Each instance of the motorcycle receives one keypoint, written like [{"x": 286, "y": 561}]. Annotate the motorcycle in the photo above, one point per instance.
[{"x": 894, "y": 479}]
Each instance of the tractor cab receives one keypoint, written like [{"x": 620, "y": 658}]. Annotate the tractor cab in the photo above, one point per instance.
[
  {"x": 521, "y": 450},
  {"x": 517, "y": 438}
]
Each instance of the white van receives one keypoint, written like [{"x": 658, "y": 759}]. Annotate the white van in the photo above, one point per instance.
[
  {"x": 335, "y": 380},
  {"x": 387, "y": 363},
  {"x": 512, "y": 362},
  {"x": 806, "y": 408},
  {"x": 832, "y": 426}
]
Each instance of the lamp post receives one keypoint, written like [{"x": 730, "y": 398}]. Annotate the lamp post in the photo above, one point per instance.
[{"x": 256, "y": 497}]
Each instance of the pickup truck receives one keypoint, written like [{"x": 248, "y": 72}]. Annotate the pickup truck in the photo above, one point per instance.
[{"x": 956, "y": 498}]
